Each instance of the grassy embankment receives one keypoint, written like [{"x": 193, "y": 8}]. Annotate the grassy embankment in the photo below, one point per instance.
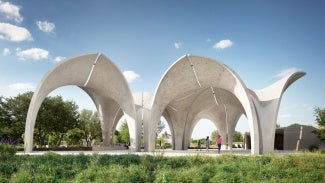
[{"x": 306, "y": 167}]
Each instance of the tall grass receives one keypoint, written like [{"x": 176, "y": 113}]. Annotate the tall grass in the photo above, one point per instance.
[{"x": 159, "y": 169}]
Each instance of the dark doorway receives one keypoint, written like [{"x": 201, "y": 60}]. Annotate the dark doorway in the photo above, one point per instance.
[{"x": 278, "y": 139}]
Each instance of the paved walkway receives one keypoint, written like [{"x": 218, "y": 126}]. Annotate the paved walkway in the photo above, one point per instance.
[{"x": 167, "y": 152}]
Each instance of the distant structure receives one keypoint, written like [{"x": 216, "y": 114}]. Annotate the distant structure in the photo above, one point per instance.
[
  {"x": 291, "y": 138},
  {"x": 194, "y": 87}
]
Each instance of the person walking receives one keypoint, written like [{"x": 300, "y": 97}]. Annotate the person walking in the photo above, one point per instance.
[
  {"x": 207, "y": 143},
  {"x": 219, "y": 142},
  {"x": 199, "y": 144}
]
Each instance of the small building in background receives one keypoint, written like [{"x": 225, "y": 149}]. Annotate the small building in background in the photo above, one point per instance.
[{"x": 297, "y": 137}]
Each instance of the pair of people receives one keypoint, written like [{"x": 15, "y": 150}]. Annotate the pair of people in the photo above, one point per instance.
[{"x": 218, "y": 142}]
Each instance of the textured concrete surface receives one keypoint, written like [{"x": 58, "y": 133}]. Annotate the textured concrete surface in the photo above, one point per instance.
[
  {"x": 102, "y": 81},
  {"x": 194, "y": 87}
]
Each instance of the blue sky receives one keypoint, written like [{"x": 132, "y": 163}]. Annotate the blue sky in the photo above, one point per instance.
[{"x": 260, "y": 40}]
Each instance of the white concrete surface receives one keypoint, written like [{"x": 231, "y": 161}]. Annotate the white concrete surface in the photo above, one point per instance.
[{"x": 194, "y": 87}]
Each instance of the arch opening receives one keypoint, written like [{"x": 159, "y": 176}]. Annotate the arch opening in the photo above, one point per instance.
[
  {"x": 63, "y": 110},
  {"x": 164, "y": 137},
  {"x": 202, "y": 129},
  {"x": 121, "y": 139}
]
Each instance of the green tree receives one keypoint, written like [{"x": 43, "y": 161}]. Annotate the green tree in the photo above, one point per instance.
[
  {"x": 5, "y": 129},
  {"x": 90, "y": 125},
  {"x": 295, "y": 124},
  {"x": 74, "y": 137},
  {"x": 214, "y": 135},
  {"x": 124, "y": 132},
  {"x": 15, "y": 113},
  {"x": 53, "y": 139},
  {"x": 320, "y": 119},
  {"x": 238, "y": 137},
  {"x": 117, "y": 137},
  {"x": 160, "y": 127},
  {"x": 55, "y": 117}
]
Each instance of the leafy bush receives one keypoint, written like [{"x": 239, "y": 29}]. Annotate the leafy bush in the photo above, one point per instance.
[{"x": 7, "y": 151}]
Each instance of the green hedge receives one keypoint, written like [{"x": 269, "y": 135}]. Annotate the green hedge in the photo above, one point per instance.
[{"x": 159, "y": 169}]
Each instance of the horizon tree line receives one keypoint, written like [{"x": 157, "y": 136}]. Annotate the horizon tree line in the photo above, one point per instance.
[{"x": 59, "y": 120}]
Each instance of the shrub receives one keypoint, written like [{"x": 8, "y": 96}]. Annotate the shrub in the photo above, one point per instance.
[
  {"x": 165, "y": 176},
  {"x": 176, "y": 162},
  {"x": 25, "y": 175},
  {"x": 322, "y": 151},
  {"x": 313, "y": 148},
  {"x": 225, "y": 177},
  {"x": 9, "y": 141},
  {"x": 151, "y": 162},
  {"x": 7, "y": 151},
  {"x": 200, "y": 160}
]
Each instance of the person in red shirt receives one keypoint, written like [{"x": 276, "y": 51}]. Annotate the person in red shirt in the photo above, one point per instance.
[{"x": 219, "y": 142}]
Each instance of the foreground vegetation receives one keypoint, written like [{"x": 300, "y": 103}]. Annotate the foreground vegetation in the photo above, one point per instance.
[{"x": 133, "y": 168}]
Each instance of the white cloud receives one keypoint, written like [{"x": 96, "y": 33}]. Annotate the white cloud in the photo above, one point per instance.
[
  {"x": 130, "y": 76},
  {"x": 177, "y": 45},
  {"x": 208, "y": 40},
  {"x": 33, "y": 53},
  {"x": 5, "y": 51},
  {"x": 10, "y": 11},
  {"x": 286, "y": 72},
  {"x": 22, "y": 87},
  {"x": 58, "y": 59},
  {"x": 45, "y": 26},
  {"x": 14, "y": 33},
  {"x": 226, "y": 43}
]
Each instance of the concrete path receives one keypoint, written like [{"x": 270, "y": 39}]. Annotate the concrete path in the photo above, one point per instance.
[{"x": 167, "y": 152}]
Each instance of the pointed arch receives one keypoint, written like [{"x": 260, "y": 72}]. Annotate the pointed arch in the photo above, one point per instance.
[
  {"x": 98, "y": 77},
  {"x": 188, "y": 76}
]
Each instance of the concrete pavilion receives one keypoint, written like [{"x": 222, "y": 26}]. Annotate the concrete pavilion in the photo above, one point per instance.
[{"x": 194, "y": 87}]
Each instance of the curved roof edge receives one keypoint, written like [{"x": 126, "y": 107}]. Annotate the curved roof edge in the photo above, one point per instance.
[{"x": 276, "y": 89}]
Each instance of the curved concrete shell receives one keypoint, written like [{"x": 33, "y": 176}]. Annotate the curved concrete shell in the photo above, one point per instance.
[
  {"x": 193, "y": 88},
  {"x": 196, "y": 87},
  {"x": 102, "y": 81},
  {"x": 182, "y": 83},
  {"x": 267, "y": 102}
]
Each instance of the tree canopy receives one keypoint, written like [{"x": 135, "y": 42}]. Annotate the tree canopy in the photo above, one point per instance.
[
  {"x": 90, "y": 125},
  {"x": 214, "y": 135},
  {"x": 55, "y": 117},
  {"x": 320, "y": 119},
  {"x": 14, "y": 111},
  {"x": 124, "y": 132},
  {"x": 238, "y": 137}
]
